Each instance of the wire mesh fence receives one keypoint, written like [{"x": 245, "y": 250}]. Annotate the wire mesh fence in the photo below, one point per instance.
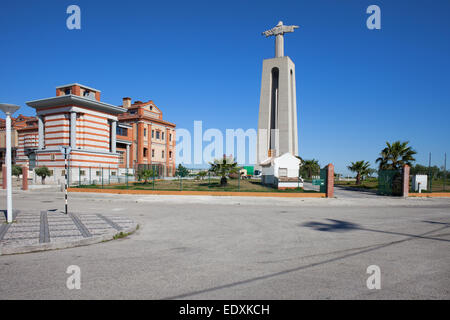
[{"x": 150, "y": 180}]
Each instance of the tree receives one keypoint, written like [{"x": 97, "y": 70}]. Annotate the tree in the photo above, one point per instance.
[
  {"x": 223, "y": 167},
  {"x": 202, "y": 174},
  {"x": 16, "y": 171},
  {"x": 43, "y": 172},
  {"x": 371, "y": 172},
  {"x": 361, "y": 168},
  {"x": 396, "y": 155},
  {"x": 146, "y": 174},
  {"x": 310, "y": 168},
  {"x": 182, "y": 171}
]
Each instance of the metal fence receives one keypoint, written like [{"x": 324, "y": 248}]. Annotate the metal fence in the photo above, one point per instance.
[{"x": 102, "y": 178}]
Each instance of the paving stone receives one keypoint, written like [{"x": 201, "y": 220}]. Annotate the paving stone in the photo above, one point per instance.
[{"x": 35, "y": 231}]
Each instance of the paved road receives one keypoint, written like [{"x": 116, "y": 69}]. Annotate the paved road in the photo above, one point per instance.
[{"x": 244, "y": 248}]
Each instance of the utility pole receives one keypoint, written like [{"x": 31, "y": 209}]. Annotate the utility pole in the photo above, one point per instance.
[
  {"x": 8, "y": 109},
  {"x": 65, "y": 150},
  {"x": 429, "y": 173},
  {"x": 445, "y": 168}
]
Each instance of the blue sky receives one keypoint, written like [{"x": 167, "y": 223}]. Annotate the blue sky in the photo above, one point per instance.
[{"x": 202, "y": 60}]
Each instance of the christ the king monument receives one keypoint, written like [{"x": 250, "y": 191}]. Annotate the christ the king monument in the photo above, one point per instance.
[{"x": 277, "y": 124}]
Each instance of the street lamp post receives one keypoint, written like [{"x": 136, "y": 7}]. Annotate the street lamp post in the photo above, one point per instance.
[{"x": 8, "y": 109}]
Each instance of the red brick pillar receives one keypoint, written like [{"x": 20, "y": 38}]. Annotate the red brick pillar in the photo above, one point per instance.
[
  {"x": 24, "y": 177},
  {"x": 405, "y": 190},
  {"x": 4, "y": 176},
  {"x": 330, "y": 181}
]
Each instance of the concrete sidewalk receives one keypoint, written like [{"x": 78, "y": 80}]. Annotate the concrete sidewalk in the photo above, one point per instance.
[{"x": 52, "y": 229}]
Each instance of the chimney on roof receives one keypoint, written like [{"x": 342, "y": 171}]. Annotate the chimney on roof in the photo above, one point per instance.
[{"x": 127, "y": 102}]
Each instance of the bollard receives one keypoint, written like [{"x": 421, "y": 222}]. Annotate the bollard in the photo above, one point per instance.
[{"x": 25, "y": 178}]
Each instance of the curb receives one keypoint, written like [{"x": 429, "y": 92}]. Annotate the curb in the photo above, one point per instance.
[
  {"x": 203, "y": 193},
  {"x": 67, "y": 244}
]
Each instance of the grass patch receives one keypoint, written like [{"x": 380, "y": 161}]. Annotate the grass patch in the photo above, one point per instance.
[{"x": 233, "y": 185}]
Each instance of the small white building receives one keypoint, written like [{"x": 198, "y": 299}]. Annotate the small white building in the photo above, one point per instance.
[
  {"x": 281, "y": 172},
  {"x": 420, "y": 182}
]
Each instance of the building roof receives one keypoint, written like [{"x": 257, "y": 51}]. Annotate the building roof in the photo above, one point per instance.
[
  {"x": 71, "y": 99},
  {"x": 19, "y": 122},
  {"x": 77, "y": 84}
]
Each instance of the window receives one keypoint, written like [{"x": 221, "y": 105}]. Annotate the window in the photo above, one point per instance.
[
  {"x": 145, "y": 132},
  {"x": 282, "y": 172},
  {"x": 97, "y": 173},
  {"x": 153, "y": 153},
  {"x": 67, "y": 91},
  {"x": 170, "y": 154},
  {"x": 82, "y": 173},
  {"x": 132, "y": 111},
  {"x": 52, "y": 157},
  {"x": 63, "y": 173},
  {"x": 113, "y": 173},
  {"x": 170, "y": 137},
  {"x": 162, "y": 136},
  {"x": 153, "y": 133},
  {"x": 121, "y": 131},
  {"x": 157, "y": 134},
  {"x": 163, "y": 154},
  {"x": 145, "y": 152},
  {"x": 121, "y": 157}
]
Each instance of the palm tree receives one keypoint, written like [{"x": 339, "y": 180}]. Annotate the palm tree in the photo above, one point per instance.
[
  {"x": 310, "y": 167},
  {"x": 361, "y": 168},
  {"x": 396, "y": 155},
  {"x": 223, "y": 167}
]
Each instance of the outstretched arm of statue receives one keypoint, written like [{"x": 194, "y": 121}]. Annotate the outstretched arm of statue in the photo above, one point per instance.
[
  {"x": 268, "y": 33},
  {"x": 287, "y": 29}
]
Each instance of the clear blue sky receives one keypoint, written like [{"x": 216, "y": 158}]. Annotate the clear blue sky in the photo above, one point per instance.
[{"x": 202, "y": 60}]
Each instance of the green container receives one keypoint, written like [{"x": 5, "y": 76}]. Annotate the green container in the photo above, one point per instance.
[{"x": 250, "y": 170}]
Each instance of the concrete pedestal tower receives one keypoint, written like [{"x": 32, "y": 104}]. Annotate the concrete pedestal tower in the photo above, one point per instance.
[{"x": 277, "y": 124}]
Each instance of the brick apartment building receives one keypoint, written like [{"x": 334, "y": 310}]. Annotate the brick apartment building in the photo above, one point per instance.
[
  {"x": 17, "y": 125},
  {"x": 153, "y": 139},
  {"x": 131, "y": 136}
]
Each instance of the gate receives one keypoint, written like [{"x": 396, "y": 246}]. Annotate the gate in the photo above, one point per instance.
[
  {"x": 323, "y": 178},
  {"x": 390, "y": 182}
]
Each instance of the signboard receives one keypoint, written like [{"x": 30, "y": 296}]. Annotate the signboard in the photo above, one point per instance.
[{"x": 318, "y": 182}]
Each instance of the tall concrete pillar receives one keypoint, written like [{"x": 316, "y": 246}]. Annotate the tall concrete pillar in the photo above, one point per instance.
[
  {"x": 40, "y": 132},
  {"x": 113, "y": 136},
  {"x": 277, "y": 124},
  {"x": 73, "y": 130}
]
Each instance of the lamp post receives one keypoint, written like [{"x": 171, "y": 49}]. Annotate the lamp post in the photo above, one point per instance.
[{"x": 8, "y": 109}]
